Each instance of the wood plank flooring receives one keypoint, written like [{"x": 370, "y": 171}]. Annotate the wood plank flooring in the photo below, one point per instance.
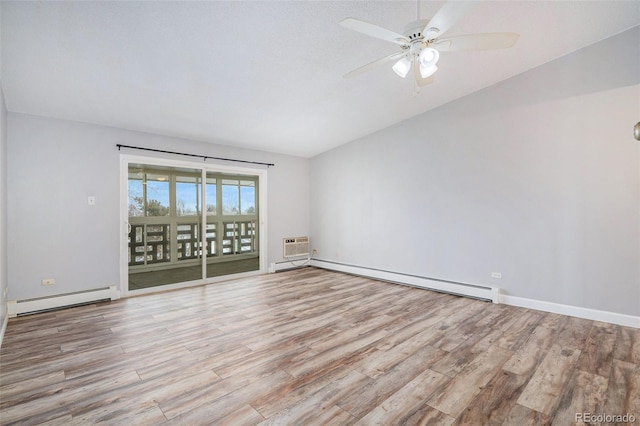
[{"x": 310, "y": 347}]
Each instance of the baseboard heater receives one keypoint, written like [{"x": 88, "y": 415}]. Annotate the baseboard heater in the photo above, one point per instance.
[
  {"x": 42, "y": 304},
  {"x": 287, "y": 265},
  {"x": 460, "y": 289}
]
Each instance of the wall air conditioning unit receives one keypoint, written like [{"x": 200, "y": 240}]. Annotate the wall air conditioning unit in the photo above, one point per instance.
[{"x": 292, "y": 247}]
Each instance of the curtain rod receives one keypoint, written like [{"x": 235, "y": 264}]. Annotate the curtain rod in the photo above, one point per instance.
[{"x": 204, "y": 157}]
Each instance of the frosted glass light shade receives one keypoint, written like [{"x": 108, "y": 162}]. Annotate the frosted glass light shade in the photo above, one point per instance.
[
  {"x": 402, "y": 67},
  {"x": 427, "y": 70},
  {"x": 428, "y": 59},
  {"x": 429, "y": 56}
]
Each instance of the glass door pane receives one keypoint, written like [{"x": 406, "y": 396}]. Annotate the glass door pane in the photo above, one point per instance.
[
  {"x": 164, "y": 208},
  {"x": 232, "y": 224}
]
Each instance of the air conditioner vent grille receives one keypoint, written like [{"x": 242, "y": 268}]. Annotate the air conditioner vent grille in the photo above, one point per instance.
[{"x": 298, "y": 246}]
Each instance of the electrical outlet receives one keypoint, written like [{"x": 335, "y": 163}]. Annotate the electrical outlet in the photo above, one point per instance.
[
  {"x": 91, "y": 200},
  {"x": 48, "y": 281},
  {"x": 315, "y": 251},
  {"x": 497, "y": 275}
]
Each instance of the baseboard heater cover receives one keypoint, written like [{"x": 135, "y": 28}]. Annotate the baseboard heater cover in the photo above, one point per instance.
[
  {"x": 461, "y": 289},
  {"x": 287, "y": 265},
  {"x": 47, "y": 303}
]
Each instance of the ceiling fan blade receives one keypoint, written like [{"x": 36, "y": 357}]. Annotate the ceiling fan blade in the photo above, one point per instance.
[
  {"x": 374, "y": 64},
  {"x": 444, "y": 18},
  {"x": 419, "y": 80},
  {"x": 485, "y": 41},
  {"x": 374, "y": 31}
]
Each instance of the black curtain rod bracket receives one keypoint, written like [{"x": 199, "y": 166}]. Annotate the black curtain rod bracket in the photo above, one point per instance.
[{"x": 204, "y": 157}]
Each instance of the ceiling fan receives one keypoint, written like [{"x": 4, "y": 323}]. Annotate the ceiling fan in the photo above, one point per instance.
[{"x": 421, "y": 43}]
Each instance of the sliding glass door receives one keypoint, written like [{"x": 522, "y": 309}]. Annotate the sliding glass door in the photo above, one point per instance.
[
  {"x": 180, "y": 230},
  {"x": 232, "y": 224}
]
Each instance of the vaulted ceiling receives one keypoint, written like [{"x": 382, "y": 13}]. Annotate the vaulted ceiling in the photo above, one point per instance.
[{"x": 266, "y": 75}]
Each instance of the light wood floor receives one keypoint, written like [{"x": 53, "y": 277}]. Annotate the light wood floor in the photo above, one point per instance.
[{"x": 310, "y": 347}]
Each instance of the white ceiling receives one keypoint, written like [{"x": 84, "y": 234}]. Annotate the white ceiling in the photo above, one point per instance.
[{"x": 267, "y": 74}]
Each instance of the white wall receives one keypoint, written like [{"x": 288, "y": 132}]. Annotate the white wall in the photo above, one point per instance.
[
  {"x": 537, "y": 178},
  {"x": 3, "y": 207},
  {"x": 54, "y": 165}
]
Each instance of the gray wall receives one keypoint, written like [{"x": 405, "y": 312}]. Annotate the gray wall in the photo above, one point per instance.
[
  {"x": 55, "y": 164},
  {"x": 3, "y": 206},
  {"x": 537, "y": 178}
]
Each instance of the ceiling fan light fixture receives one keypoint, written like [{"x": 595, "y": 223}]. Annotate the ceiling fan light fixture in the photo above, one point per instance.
[
  {"x": 427, "y": 71},
  {"x": 429, "y": 56},
  {"x": 402, "y": 67}
]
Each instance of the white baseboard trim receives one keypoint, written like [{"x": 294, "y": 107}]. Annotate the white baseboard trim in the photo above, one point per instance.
[
  {"x": 288, "y": 264},
  {"x": 18, "y": 307},
  {"x": 573, "y": 311},
  {"x": 462, "y": 289},
  {"x": 5, "y": 321},
  {"x": 489, "y": 293}
]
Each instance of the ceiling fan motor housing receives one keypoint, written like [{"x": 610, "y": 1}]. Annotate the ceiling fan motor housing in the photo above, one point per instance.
[{"x": 414, "y": 30}]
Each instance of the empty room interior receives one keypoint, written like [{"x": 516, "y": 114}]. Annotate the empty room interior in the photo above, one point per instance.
[{"x": 320, "y": 212}]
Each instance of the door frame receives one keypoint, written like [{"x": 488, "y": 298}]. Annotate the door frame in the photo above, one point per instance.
[{"x": 126, "y": 159}]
